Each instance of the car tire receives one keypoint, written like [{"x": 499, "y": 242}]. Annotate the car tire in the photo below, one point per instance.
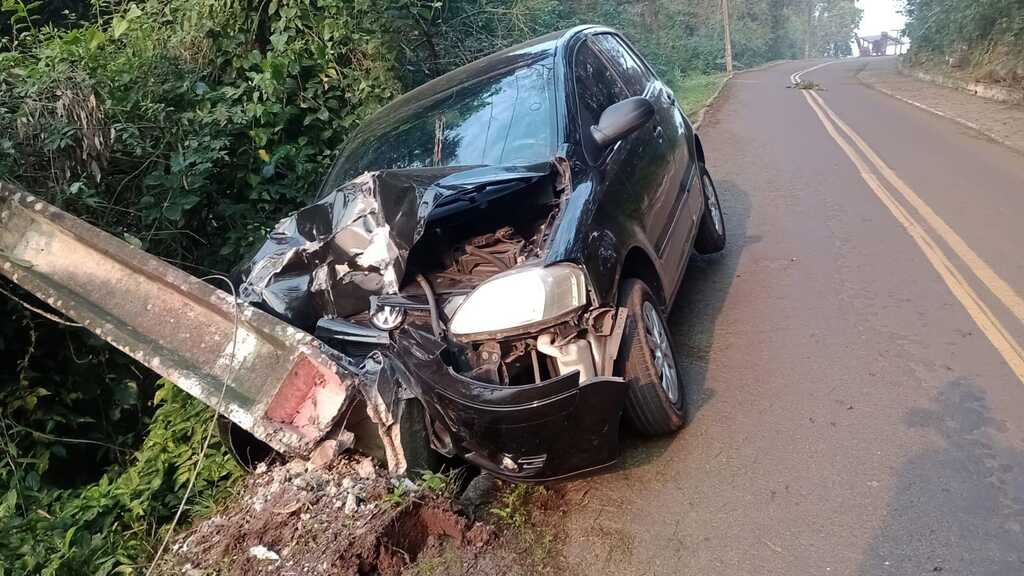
[
  {"x": 655, "y": 401},
  {"x": 711, "y": 233}
]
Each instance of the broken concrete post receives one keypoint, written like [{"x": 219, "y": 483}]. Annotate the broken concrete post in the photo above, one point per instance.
[{"x": 269, "y": 378}]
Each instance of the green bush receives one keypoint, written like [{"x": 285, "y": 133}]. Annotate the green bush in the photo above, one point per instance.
[
  {"x": 108, "y": 526},
  {"x": 186, "y": 128},
  {"x": 176, "y": 122},
  {"x": 986, "y": 35},
  {"x": 939, "y": 26}
]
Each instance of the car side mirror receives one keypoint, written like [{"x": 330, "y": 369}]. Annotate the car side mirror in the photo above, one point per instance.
[{"x": 622, "y": 119}]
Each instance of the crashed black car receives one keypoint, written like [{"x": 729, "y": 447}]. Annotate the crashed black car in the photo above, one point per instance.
[{"x": 494, "y": 253}]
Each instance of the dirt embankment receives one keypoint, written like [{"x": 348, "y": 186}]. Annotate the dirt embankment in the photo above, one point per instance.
[
  {"x": 998, "y": 65},
  {"x": 351, "y": 519}
]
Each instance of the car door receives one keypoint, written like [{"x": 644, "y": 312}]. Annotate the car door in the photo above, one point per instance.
[
  {"x": 688, "y": 202},
  {"x": 669, "y": 216},
  {"x": 625, "y": 169}
]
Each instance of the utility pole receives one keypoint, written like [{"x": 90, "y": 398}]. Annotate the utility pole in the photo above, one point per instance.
[
  {"x": 728, "y": 37},
  {"x": 810, "y": 28}
]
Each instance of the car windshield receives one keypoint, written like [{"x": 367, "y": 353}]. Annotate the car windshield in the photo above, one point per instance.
[{"x": 505, "y": 118}]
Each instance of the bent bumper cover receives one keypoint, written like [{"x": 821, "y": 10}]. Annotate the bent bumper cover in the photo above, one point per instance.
[{"x": 544, "y": 431}]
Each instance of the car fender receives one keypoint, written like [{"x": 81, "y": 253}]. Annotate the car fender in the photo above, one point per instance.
[{"x": 599, "y": 238}]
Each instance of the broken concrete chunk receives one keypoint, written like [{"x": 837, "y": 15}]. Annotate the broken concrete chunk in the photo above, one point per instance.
[
  {"x": 366, "y": 469},
  {"x": 404, "y": 484},
  {"x": 261, "y": 552},
  {"x": 295, "y": 468},
  {"x": 346, "y": 440},
  {"x": 351, "y": 504},
  {"x": 322, "y": 455},
  {"x": 311, "y": 482},
  {"x": 329, "y": 449}
]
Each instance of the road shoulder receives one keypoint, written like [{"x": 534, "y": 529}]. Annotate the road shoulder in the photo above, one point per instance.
[{"x": 1002, "y": 122}]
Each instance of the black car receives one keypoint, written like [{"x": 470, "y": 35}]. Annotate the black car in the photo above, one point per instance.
[{"x": 493, "y": 254}]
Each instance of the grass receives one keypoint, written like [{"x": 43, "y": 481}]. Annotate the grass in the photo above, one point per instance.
[
  {"x": 512, "y": 509},
  {"x": 694, "y": 91}
]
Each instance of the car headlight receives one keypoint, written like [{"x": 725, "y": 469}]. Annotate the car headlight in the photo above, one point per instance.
[{"x": 519, "y": 298}]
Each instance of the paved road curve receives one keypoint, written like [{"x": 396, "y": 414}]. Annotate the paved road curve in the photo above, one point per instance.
[{"x": 854, "y": 359}]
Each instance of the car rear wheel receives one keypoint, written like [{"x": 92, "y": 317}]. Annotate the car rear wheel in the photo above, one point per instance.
[
  {"x": 711, "y": 234},
  {"x": 655, "y": 403}
]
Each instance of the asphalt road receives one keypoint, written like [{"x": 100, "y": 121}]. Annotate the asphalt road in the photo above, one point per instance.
[{"x": 854, "y": 364}]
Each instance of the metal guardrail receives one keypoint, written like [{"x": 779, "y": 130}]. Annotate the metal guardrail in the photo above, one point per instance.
[{"x": 276, "y": 382}]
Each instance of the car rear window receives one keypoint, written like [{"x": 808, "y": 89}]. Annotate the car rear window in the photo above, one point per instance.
[{"x": 506, "y": 118}]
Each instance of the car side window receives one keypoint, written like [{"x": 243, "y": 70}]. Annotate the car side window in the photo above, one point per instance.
[
  {"x": 634, "y": 74},
  {"x": 597, "y": 88}
]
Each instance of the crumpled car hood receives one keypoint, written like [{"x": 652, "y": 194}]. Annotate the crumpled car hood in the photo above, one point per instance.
[{"x": 328, "y": 258}]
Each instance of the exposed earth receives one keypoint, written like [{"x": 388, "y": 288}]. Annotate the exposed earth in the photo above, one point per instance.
[{"x": 349, "y": 518}]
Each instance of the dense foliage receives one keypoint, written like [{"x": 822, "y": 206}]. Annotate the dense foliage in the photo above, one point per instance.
[
  {"x": 109, "y": 524},
  {"x": 187, "y": 127},
  {"x": 989, "y": 34}
]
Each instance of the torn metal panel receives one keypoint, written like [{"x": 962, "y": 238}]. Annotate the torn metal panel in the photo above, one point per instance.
[
  {"x": 605, "y": 329},
  {"x": 323, "y": 260},
  {"x": 327, "y": 259},
  {"x": 384, "y": 396},
  {"x": 338, "y": 330},
  {"x": 277, "y": 381}
]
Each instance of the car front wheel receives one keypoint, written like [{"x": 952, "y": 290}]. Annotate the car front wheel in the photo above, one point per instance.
[{"x": 655, "y": 403}]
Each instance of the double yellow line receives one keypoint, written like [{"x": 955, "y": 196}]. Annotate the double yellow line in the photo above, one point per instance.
[{"x": 854, "y": 146}]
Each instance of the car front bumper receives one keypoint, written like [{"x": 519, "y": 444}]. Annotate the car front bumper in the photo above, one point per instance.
[{"x": 540, "y": 432}]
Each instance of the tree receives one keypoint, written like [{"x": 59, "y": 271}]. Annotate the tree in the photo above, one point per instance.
[
  {"x": 830, "y": 25},
  {"x": 777, "y": 10},
  {"x": 728, "y": 36},
  {"x": 810, "y": 8}
]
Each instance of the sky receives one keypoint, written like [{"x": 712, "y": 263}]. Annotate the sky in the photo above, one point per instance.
[{"x": 879, "y": 15}]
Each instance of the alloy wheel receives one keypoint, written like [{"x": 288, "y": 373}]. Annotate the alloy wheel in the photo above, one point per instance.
[
  {"x": 711, "y": 197},
  {"x": 661, "y": 349}
]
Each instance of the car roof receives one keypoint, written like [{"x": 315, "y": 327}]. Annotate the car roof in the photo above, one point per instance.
[
  {"x": 534, "y": 50},
  {"x": 518, "y": 55}
]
